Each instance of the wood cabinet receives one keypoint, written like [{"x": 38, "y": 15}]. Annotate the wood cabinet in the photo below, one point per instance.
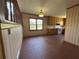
[
  {"x": 12, "y": 40},
  {"x": 52, "y": 31},
  {"x": 52, "y": 21},
  {"x": 56, "y": 21}
]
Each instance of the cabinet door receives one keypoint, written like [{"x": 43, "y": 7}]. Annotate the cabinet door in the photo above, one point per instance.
[
  {"x": 6, "y": 43},
  {"x": 12, "y": 40},
  {"x": 15, "y": 41}
]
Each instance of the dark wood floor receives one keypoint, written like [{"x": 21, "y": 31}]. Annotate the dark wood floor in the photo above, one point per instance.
[{"x": 48, "y": 47}]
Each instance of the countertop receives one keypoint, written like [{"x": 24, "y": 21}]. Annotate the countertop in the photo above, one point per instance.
[
  {"x": 55, "y": 27},
  {"x": 8, "y": 24}
]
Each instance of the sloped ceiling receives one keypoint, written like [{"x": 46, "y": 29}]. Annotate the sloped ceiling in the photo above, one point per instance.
[
  {"x": 50, "y": 7},
  {"x": 72, "y": 2}
]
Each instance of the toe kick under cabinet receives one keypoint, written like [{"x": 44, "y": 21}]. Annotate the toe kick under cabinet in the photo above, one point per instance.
[{"x": 12, "y": 40}]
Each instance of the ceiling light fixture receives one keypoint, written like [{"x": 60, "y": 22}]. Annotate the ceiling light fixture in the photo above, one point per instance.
[{"x": 41, "y": 14}]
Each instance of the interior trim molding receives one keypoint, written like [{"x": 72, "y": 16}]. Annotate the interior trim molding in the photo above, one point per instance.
[
  {"x": 28, "y": 13},
  {"x": 33, "y": 14},
  {"x": 73, "y": 6}
]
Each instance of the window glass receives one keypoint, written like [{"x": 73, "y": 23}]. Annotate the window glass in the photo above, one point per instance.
[
  {"x": 32, "y": 24},
  {"x": 39, "y": 24}
]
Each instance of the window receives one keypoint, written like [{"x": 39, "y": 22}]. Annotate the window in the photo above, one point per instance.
[
  {"x": 36, "y": 24},
  {"x": 32, "y": 24},
  {"x": 10, "y": 11}
]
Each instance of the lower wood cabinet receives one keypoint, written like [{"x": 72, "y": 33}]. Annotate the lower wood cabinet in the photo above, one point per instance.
[
  {"x": 12, "y": 40},
  {"x": 52, "y": 31}
]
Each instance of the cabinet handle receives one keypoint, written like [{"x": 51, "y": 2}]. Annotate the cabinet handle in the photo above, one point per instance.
[{"x": 9, "y": 31}]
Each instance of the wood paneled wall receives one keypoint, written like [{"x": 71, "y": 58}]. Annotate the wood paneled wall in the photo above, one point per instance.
[
  {"x": 72, "y": 25},
  {"x": 26, "y": 30}
]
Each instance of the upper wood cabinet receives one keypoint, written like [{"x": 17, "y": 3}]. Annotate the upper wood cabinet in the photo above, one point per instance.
[
  {"x": 52, "y": 21},
  {"x": 12, "y": 11},
  {"x": 56, "y": 21}
]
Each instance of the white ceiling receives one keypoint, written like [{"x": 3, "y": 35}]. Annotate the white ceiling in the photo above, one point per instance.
[
  {"x": 72, "y": 2},
  {"x": 50, "y": 7}
]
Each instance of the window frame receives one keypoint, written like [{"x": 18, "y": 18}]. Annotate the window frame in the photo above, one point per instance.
[{"x": 36, "y": 24}]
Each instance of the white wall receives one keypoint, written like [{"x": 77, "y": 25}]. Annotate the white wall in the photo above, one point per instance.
[{"x": 72, "y": 25}]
